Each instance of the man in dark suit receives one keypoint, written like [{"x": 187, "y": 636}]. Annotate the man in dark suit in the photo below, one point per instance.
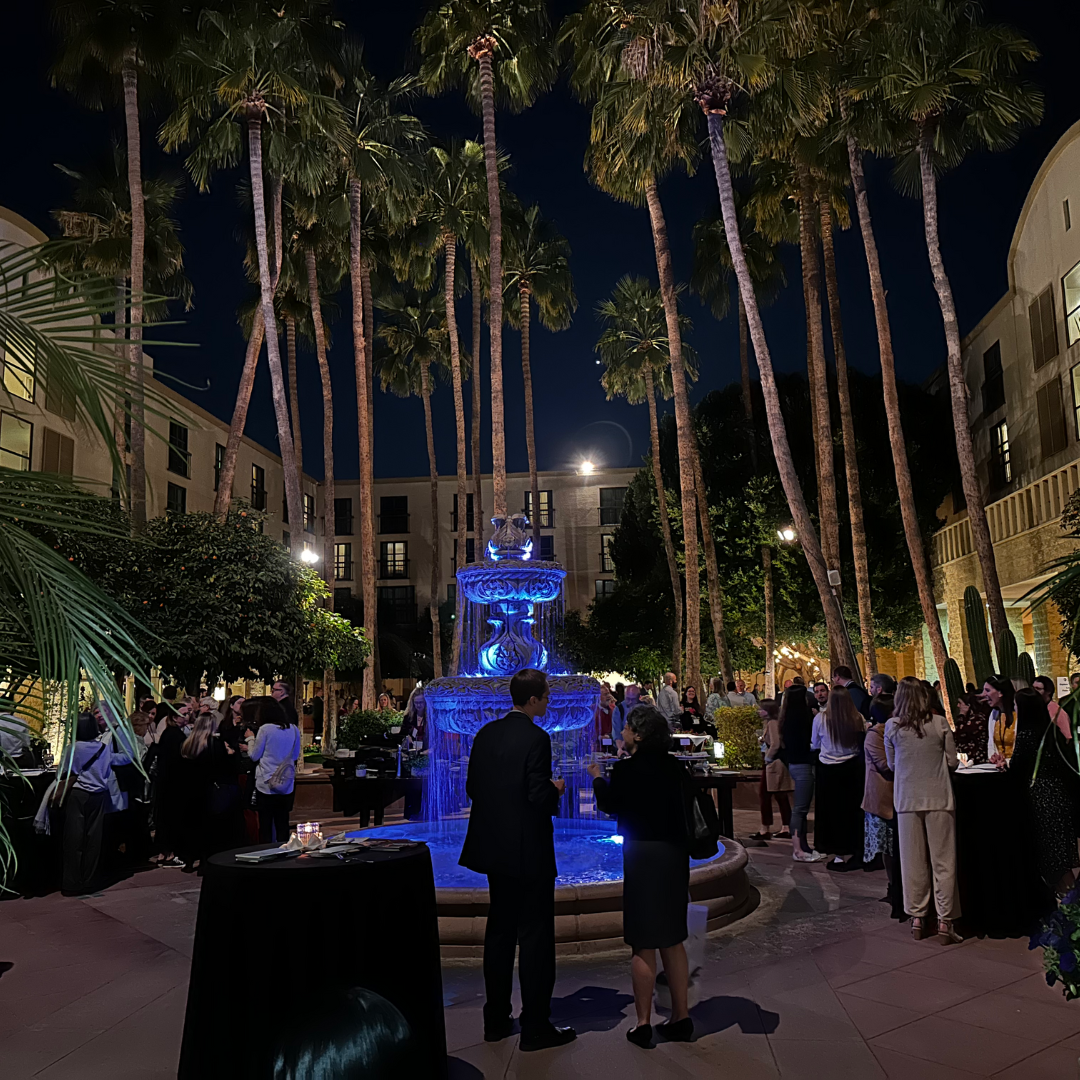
[
  {"x": 842, "y": 676},
  {"x": 510, "y": 839}
]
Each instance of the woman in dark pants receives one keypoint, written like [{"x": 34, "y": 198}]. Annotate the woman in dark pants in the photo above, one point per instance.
[
  {"x": 646, "y": 792},
  {"x": 796, "y": 728}
]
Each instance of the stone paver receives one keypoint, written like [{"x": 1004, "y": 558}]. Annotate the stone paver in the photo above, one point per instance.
[{"x": 816, "y": 984}]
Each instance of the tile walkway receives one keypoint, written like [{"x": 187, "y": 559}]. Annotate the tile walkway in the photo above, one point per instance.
[{"x": 816, "y": 984}]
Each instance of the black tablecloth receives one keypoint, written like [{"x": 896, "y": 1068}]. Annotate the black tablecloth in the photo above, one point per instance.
[
  {"x": 256, "y": 961},
  {"x": 1001, "y": 893}
]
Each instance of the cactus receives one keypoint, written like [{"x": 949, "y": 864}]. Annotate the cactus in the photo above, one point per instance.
[
  {"x": 1025, "y": 668},
  {"x": 975, "y": 616},
  {"x": 1006, "y": 654},
  {"x": 954, "y": 683}
]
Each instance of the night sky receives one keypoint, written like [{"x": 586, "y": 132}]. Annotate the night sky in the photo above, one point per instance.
[{"x": 980, "y": 203}]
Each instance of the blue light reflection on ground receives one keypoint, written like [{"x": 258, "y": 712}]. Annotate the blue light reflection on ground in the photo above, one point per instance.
[{"x": 587, "y": 852}]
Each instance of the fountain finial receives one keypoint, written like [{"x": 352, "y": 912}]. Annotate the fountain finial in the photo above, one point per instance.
[{"x": 509, "y": 540}]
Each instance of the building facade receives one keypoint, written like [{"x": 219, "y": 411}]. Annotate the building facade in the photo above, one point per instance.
[{"x": 1022, "y": 367}]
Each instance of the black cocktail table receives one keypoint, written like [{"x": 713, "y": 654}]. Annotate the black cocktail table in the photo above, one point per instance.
[{"x": 254, "y": 953}]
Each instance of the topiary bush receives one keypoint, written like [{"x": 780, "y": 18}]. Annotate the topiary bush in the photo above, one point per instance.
[
  {"x": 365, "y": 726},
  {"x": 739, "y": 729}
]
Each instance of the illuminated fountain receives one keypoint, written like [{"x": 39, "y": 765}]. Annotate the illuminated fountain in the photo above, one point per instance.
[{"x": 514, "y": 607}]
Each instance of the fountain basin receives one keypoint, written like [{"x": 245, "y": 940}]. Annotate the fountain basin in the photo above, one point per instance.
[{"x": 588, "y": 891}]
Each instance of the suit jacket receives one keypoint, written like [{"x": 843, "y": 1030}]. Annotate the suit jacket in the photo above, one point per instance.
[
  {"x": 859, "y": 698},
  {"x": 513, "y": 800}
]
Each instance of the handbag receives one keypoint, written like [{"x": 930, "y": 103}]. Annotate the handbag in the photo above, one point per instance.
[
  {"x": 702, "y": 822},
  {"x": 60, "y": 793}
]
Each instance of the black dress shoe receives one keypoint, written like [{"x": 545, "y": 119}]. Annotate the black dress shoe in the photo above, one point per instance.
[
  {"x": 641, "y": 1036},
  {"x": 554, "y": 1036},
  {"x": 680, "y": 1031},
  {"x": 498, "y": 1032}
]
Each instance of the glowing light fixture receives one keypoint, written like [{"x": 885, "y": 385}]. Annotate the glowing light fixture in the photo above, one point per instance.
[
  {"x": 219, "y": 693},
  {"x": 787, "y": 534},
  {"x": 308, "y": 556},
  {"x": 586, "y": 468},
  {"x": 718, "y": 750}
]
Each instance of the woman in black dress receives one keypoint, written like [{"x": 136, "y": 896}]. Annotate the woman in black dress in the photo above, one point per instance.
[{"x": 646, "y": 792}]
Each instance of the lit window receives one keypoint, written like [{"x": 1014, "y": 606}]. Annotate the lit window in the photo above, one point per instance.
[
  {"x": 607, "y": 566},
  {"x": 176, "y": 500},
  {"x": 19, "y": 372},
  {"x": 395, "y": 559},
  {"x": 547, "y": 509},
  {"x": 343, "y": 562},
  {"x": 309, "y": 513},
  {"x": 16, "y": 439},
  {"x": 258, "y": 488},
  {"x": 179, "y": 458},
  {"x": 1070, "y": 287},
  {"x": 1044, "y": 340},
  {"x": 604, "y": 587},
  {"x": 1000, "y": 460}
]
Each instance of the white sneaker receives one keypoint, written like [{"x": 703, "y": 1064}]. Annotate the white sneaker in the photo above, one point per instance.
[{"x": 811, "y": 856}]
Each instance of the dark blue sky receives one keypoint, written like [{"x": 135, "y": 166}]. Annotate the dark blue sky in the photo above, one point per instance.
[{"x": 980, "y": 203}]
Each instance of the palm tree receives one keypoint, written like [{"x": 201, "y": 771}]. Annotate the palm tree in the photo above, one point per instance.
[
  {"x": 414, "y": 328},
  {"x": 476, "y": 291},
  {"x": 537, "y": 268},
  {"x": 636, "y": 354},
  {"x": 953, "y": 85},
  {"x": 383, "y": 140},
  {"x": 510, "y": 41},
  {"x": 252, "y": 66},
  {"x": 103, "y": 39}
]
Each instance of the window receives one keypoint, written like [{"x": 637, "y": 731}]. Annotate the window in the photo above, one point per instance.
[
  {"x": 16, "y": 439},
  {"x": 286, "y": 541},
  {"x": 1000, "y": 462},
  {"x": 394, "y": 514},
  {"x": 219, "y": 464},
  {"x": 470, "y": 549},
  {"x": 56, "y": 401},
  {"x": 179, "y": 458},
  {"x": 604, "y": 587},
  {"x": 343, "y": 523},
  {"x": 469, "y": 517},
  {"x": 993, "y": 392},
  {"x": 343, "y": 562},
  {"x": 284, "y": 510},
  {"x": 19, "y": 371},
  {"x": 451, "y": 593},
  {"x": 176, "y": 500},
  {"x": 1044, "y": 343},
  {"x": 1068, "y": 216},
  {"x": 1052, "y": 431},
  {"x": 342, "y": 596},
  {"x": 309, "y": 513},
  {"x": 606, "y": 564},
  {"x": 1070, "y": 288},
  {"x": 547, "y": 548},
  {"x": 1076, "y": 398},
  {"x": 57, "y": 453},
  {"x": 611, "y": 504},
  {"x": 258, "y": 489},
  {"x": 397, "y": 606},
  {"x": 394, "y": 559},
  {"x": 547, "y": 509}
]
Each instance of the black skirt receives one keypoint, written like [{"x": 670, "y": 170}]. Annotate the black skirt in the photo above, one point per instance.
[
  {"x": 656, "y": 889},
  {"x": 838, "y": 813}
]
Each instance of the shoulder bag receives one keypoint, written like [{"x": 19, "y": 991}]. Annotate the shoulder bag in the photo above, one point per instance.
[{"x": 702, "y": 822}]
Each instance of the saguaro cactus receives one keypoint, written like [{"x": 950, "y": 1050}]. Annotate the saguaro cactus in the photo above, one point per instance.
[
  {"x": 975, "y": 616},
  {"x": 1025, "y": 668},
  {"x": 1006, "y": 654},
  {"x": 954, "y": 683}
]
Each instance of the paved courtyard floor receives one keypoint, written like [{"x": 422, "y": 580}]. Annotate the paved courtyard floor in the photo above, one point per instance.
[{"x": 816, "y": 984}]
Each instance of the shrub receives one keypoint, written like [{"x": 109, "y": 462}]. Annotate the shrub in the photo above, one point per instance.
[
  {"x": 365, "y": 726},
  {"x": 739, "y": 729}
]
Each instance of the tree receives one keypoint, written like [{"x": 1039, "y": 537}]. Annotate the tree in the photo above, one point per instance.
[
  {"x": 510, "y": 42},
  {"x": 249, "y": 66},
  {"x": 415, "y": 331},
  {"x": 103, "y": 40},
  {"x": 953, "y": 83},
  {"x": 635, "y": 351},
  {"x": 537, "y": 268}
]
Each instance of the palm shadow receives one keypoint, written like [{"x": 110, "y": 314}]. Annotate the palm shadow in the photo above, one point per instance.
[
  {"x": 592, "y": 1008},
  {"x": 723, "y": 1011}
]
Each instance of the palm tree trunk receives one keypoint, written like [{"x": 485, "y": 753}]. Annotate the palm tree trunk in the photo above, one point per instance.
[
  {"x": 330, "y": 494},
  {"x": 980, "y": 529},
  {"x": 363, "y": 380},
  {"x": 495, "y": 303},
  {"x": 789, "y": 478},
  {"x": 770, "y": 622},
  {"x": 847, "y": 425},
  {"x": 450, "y": 246},
  {"x": 530, "y": 429},
  {"x": 119, "y": 411},
  {"x": 137, "y": 493},
  {"x": 294, "y": 397},
  {"x": 819, "y": 380},
  {"x": 684, "y": 432},
  {"x": 744, "y": 373},
  {"x": 293, "y": 500},
  {"x": 912, "y": 530},
  {"x": 665, "y": 526},
  {"x": 712, "y": 573},
  {"x": 369, "y": 334},
  {"x": 479, "y": 523},
  {"x": 223, "y": 498},
  {"x": 433, "y": 602}
]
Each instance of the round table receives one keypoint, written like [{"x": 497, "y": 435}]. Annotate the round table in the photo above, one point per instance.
[
  {"x": 260, "y": 952},
  {"x": 1001, "y": 893}
]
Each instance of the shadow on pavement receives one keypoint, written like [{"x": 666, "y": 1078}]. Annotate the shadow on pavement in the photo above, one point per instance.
[
  {"x": 591, "y": 1008},
  {"x": 721, "y": 1012}
]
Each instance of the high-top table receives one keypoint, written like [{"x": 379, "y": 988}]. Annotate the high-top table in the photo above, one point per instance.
[{"x": 253, "y": 953}]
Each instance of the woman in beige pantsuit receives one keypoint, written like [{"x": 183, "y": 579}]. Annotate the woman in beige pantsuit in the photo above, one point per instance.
[{"x": 919, "y": 749}]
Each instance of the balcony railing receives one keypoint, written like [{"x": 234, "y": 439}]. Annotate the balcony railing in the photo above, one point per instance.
[
  {"x": 1029, "y": 508},
  {"x": 343, "y": 570},
  {"x": 547, "y": 517},
  {"x": 468, "y": 521},
  {"x": 609, "y": 515},
  {"x": 393, "y": 523},
  {"x": 393, "y": 568}
]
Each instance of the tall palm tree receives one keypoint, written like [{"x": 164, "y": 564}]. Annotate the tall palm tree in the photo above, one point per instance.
[
  {"x": 636, "y": 354},
  {"x": 954, "y": 85},
  {"x": 476, "y": 291},
  {"x": 105, "y": 41},
  {"x": 383, "y": 138},
  {"x": 251, "y": 66},
  {"x": 510, "y": 42},
  {"x": 415, "y": 331},
  {"x": 537, "y": 269}
]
